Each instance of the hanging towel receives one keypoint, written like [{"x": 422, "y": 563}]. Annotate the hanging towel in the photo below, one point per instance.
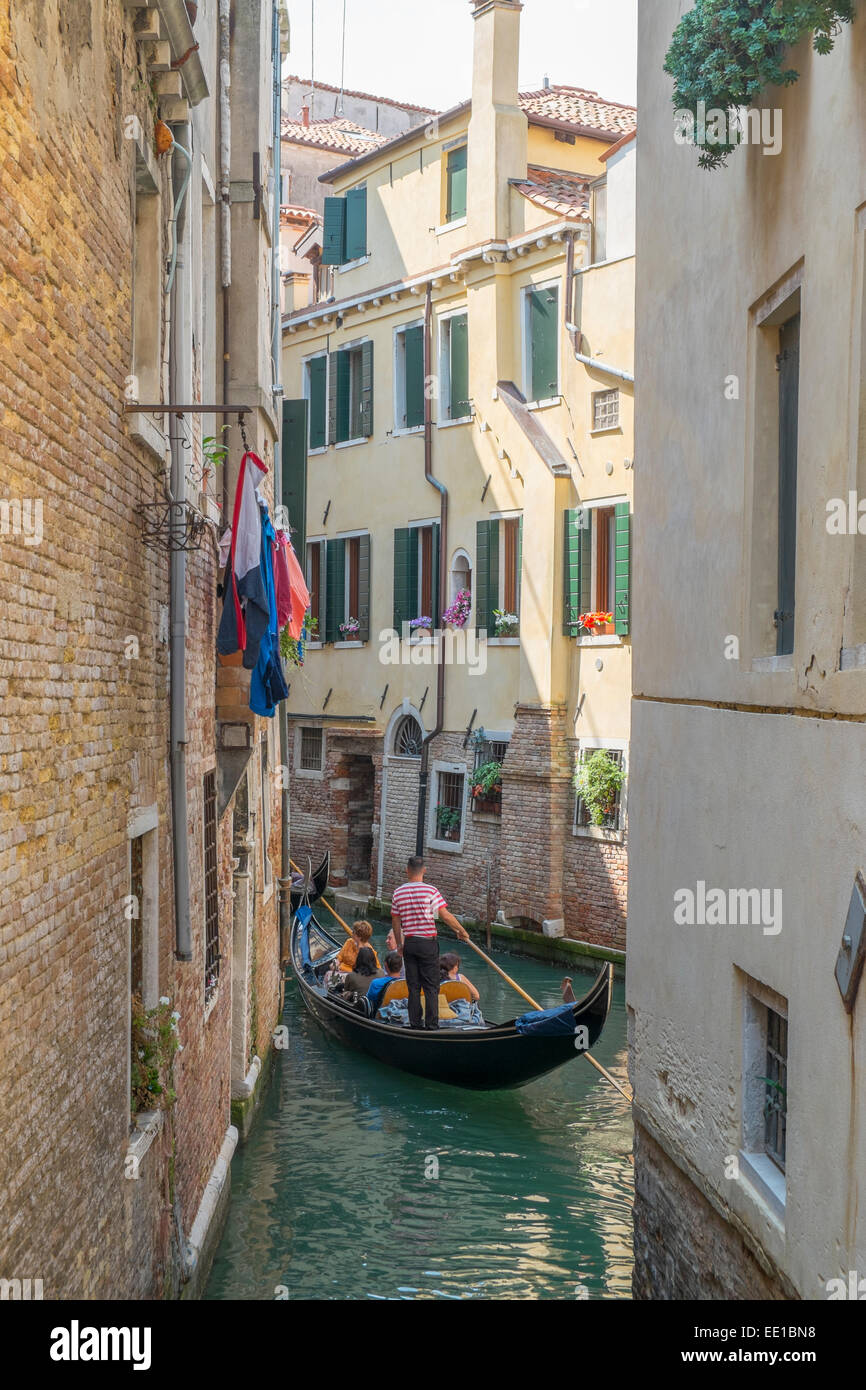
[
  {"x": 245, "y": 612},
  {"x": 299, "y": 590},
  {"x": 268, "y": 686},
  {"x": 282, "y": 583}
]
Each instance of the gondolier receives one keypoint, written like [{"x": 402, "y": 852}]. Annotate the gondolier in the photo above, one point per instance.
[{"x": 415, "y": 907}]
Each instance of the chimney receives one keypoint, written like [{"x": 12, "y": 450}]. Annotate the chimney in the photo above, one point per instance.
[
  {"x": 498, "y": 129},
  {"x": 305, "y": 115}
]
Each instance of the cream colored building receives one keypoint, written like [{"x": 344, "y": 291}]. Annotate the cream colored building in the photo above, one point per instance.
[
  {"x": 749, "y": 693},
  {"x": 468, "y": 392}
]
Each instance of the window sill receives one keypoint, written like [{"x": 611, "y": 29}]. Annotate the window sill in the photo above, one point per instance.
[
  {"x": 408, "y": 429},
  {"x": 773, "y": 663},
  {"x": 353, "y": 265},
  {"x": 309, "y": 774},
  {"x": 142, "y": 429},
  {"x": 461, "y": 420},
  {"x": 211, "y": 1004},
  {"x": 446, "y": 846},
  {"x": 547, "y": 404},
  {"x": 425, "y": 641},
  {"x": 598, "y": 832},
  {"x": 503, "y": 641},
  {"x": 313, "y": 453},
  {"x": 315, "y": 646},
  {"x": 350, "y": 443},
  {"x": 452, "y": 226},
  {"x": 148, "y": 1124},
  {"x": 767, "y": 1180},
  {"x": 348, "y": 645},
  {"x": 486, "y": 818},
  {"x": 610, "y": 639},
  {"x": 607, "y": 429}
]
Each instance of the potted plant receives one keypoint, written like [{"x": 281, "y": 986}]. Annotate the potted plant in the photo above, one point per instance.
[
  {"x": 311, "y": 626},
  {"x": 349, "y": 629},
  {"x": 506, "y": 624},
  {"x": 486, "y": 787},
  {"x": 459, "y": 612},
  {"x": 595, "y": 624},
  {"x": 598, "y": 782},
  {"x": 418, "y": 626},
  {"x": 447, "y": 823}
]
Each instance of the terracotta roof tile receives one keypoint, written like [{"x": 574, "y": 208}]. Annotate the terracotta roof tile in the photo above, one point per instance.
[
  {"x": 581, "y": 107},
  {"x": 362, "y": 96},
  {"x": 337, "y": 135},
  {"x": 565, "y": 194}
]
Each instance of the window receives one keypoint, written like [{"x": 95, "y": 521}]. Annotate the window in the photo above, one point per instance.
[
  {"x": 455, "y": 403},
  {"x": 212, "y": 955},
  {"x": 409, "y": 398},
  {"x": 455, "y": 176},
  {"x": 789, "y": 391},
  {"x": 350, "y": 394},
  {"x": 498, "y": 569},
  {"x": 347, "y": 588},
  {"x": 599, "y": 222},
  {"x": 612, "y": 813},
  {"x": 542, "y": 340},
  {"x": 488, "y": 749},
  {"x": 266, "y": 811},
  {"x": 776, "y": 1092},
  {"x": 316, "y": 392},
  {"x": 597, "y": 568},
  {"x": 316, "y": 585},
  {"x": 312, "y": 750},
  {"x": 345, "y": 229},
  {"x": 416, "y": 575},
  {"x": 448, "y": 811},
  {"x": 461, "y": 575},
  {"x": 136, "y": 935},
  {"x": 408, "y": 738},
  {"x": 605, "y": 410}
]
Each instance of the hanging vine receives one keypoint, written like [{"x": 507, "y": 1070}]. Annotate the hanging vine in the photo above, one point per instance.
[{"x": 725, "y": 52}]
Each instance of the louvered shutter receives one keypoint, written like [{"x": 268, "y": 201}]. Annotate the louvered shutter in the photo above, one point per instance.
[
  {"x": 293, "y": 480},
  {"x": 459, "y": 405},
  {"x": 486, "y": 578},
  {"x": 342, "y": 363},
  {"x": 334, "y": 232},
  {"x": 356, "y": 224},
  {"x": 318, "y": 370},
  {"x": 544, "y": 343},
  {"x": 364, "y": 588},
  {"x": 405, "y": 576},
  {"x": 365, "y": 422},
  {"x": 413, "y": 340},
  {"x": 335, "y": 589},
  {"x": 571, "y": 572},
  {"x": 332, "y": 397},
  {"x": 436, "y": 571},
  {"x": 623, "y": 569},
  {"x": 457, "y": 166}
]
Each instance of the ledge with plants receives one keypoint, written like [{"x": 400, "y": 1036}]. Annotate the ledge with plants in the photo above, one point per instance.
[
  {"x": 486, "y": 788},
  {"x": 598, "y": 782}
]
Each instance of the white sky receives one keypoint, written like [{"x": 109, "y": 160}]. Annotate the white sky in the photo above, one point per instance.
[{"x": 422, "y": 52}]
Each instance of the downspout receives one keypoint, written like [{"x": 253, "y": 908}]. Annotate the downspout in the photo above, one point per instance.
[
  {"x": 574, "y": 331},
  {"x": 443, "y": 577},
  {"x": 177, "y": 584},
  {"x": 225, "y": 196}
]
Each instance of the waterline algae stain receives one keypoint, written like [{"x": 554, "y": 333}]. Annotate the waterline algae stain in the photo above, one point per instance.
[{"x": 360, "y": 1182}]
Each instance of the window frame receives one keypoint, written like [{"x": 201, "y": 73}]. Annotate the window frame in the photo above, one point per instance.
[
  {"x": 444, "y": 419},
  {"x": 213, "y": 953},
  {"x": 763, "y": 1177},
  {"x": 613, "y": 834},
  {"x": 401, "y": 412},
  {"x": 312, "y": 774},
  {"x": 607, "y": 638},
  {"x": 541, "y": 402},
  {"x": 355, "y": 353},
  {"x": 321, "y": 542},
  {"x": 450, "y": 216},
  {"x": 439, "y": 769},
  {"x": 323, "y": 355},
  {"x": 486, "y": 752},
  {"x": 616, "y": 425}
]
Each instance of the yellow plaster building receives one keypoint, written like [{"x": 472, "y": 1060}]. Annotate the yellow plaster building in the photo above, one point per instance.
[{"x": 461, "y": 421}]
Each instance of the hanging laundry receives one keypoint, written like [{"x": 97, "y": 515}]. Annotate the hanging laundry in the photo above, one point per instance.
[
  {"x": 299, "y": 591},
  {"x": 282, "y": 582},
  {"x": 268, "y": 686},
  {"x": 246, "y": 613}
]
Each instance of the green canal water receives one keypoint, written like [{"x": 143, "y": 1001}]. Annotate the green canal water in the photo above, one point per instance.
[{"x": 336, "y": 1193}]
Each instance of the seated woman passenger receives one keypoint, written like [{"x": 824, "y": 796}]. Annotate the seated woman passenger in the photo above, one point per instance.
[
  {"x": 361, "y": 936},
  {"x": 393, "y": 972},
  {"x": 449, "y": 965},
  {"x": 365, "y": 972}
]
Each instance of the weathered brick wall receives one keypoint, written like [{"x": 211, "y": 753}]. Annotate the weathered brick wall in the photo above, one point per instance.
[
  {"x": 535, "y": 815},
  {"x": 595, "y": 890},
  {"x": 683, "y": 1248}
]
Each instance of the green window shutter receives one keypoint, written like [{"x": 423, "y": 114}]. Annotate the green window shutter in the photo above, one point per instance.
[
  {"x": 342, "y": 395},
  {"x": 334, "y": 232},
  {"x": 585, "y": 560},
  {"x": 623, "y": 569},
  {"x": 486, "y": 576},
  {"x": 434, "y": 586},
  {"x": 364, "y": 588},
  {"x": 318, "y": 369},
  {"x": 365, "y": 395},
  {"x": 293, "y": 481},
  {"x": 335, "y": 589},
  {"x": 544, "y": 343},
  {"x": 571, "y": 572},
  {"x": 405, "y": 576},
  {"x": 414, "y": 355},
  {"x": 332, "y": 397},
  {"x": 519, "y": 564},
  {"x": 459, "y": 367},
  {"x": 356, "y": 224},
  {"x": 457, "y": 160}
]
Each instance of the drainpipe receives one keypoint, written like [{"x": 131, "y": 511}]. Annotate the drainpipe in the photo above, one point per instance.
[
  {"x": 443, "y": 577},
  {"x": 225, "y": 196},
  {"x": 573, "y": 329},
  {"x": 179, "y": 378}
]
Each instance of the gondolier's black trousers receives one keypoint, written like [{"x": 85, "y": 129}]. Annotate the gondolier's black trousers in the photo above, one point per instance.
[{"x": 421, "y": 959}]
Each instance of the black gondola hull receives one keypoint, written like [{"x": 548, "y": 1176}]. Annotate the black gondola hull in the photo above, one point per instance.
[{"x": 484, "y": 1059}]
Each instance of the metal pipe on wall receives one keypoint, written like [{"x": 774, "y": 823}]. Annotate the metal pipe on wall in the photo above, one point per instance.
[{"x": 424, "y": 777}]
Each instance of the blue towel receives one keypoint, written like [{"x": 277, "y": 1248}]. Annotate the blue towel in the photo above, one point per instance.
[{"x": 548, "y": 1023}]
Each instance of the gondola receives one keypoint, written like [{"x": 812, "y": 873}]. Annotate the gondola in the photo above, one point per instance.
[
  {"x": 312, "y": 891},
  {"x": 491, "y": 1057}
]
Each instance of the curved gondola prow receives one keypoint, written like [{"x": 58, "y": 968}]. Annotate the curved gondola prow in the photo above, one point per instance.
[{"x": 310, "y": 892}]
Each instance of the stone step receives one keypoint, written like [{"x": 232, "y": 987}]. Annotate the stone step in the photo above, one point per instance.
[{"x": 351, "y": 905}]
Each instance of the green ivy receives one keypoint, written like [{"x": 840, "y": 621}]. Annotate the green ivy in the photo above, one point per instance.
[
  {"x": 598, "y": 781},
  {"x": 725, "y": 52}
]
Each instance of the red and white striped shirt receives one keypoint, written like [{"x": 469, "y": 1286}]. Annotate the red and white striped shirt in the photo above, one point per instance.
[{"x": 417, "y": 905}]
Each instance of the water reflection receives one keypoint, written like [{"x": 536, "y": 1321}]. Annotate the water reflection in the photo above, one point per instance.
[{"x": 361, "y": 1182}]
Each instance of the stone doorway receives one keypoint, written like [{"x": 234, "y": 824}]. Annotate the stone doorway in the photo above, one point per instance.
[{"x": 362, "y": 784}]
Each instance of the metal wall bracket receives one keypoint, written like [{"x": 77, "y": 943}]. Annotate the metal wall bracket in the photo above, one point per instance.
[{"x": 852, "y": 953}]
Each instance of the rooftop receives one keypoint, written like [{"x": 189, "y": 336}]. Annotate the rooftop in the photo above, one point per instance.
[
  {"x": 566, "y": 194},
  {"x": 336, "y": 134},
  {"x": 360, "y": 96}
]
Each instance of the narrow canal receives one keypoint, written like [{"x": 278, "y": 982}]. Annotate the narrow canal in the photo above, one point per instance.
[{"x": 360, "y": 1182}]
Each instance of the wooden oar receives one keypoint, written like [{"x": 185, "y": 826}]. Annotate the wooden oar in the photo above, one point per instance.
[
  {"x": 588, "y": 1055},
  {"x": 347, "y": 929}
]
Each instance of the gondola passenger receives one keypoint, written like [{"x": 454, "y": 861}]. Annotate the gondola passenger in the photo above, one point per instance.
[
  {"x": 393, "y": 973},
  {"x": 449, "y": 967},
  {"x": 361, "y": 937}
]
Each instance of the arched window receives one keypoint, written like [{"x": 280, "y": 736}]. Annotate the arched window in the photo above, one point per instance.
[
  {"x": 408, "y": 737},
  {"x": 461, "y": 574}
]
